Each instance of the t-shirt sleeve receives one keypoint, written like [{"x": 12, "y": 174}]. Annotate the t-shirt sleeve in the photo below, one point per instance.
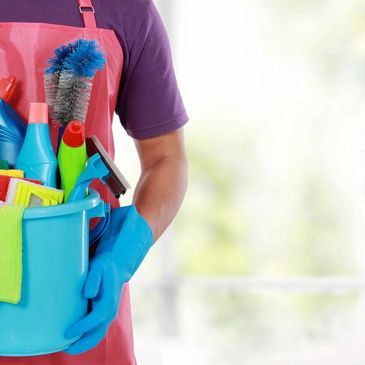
[{"x": 149, "y": 102}]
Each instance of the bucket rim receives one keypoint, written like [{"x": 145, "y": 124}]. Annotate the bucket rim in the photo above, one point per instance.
[{"x": 91, "y": 201}]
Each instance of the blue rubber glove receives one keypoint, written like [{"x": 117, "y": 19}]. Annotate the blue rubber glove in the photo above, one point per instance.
[{"x": 117, "y": 257}]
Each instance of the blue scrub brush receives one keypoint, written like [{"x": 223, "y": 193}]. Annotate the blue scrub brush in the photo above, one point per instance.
[{"x": 69, "y": 89}]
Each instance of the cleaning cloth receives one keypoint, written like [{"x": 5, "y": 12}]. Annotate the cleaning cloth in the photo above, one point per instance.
[
  {"x": 27, "y": 194},
  {"x": 4, "y": 185},
  {"x": 12, "y": 173},
  {"x": 11, "y": 253}
]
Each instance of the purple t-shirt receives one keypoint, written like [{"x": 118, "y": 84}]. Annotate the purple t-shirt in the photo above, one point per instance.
[{"x": 143, "y": 111}]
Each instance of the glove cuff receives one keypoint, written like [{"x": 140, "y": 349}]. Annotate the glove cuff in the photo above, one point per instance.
[{"x": 126, "y": 241}]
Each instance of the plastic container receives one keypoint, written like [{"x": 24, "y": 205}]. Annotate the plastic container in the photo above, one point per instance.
[
  {"x": 12, "y": 126},
  {"x": 55, "y": 266},
  {"x": 72, "y": 156},
  {"x": 36, "y": 157}
]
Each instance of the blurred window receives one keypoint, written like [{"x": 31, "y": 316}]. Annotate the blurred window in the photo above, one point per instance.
[{"x": 265, "y": 261}]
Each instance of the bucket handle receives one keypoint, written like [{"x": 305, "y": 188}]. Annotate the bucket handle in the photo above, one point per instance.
[{"x": 101, "y": 210}]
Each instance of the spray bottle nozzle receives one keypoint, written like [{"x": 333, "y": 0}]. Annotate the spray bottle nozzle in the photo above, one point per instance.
[
  {"x": 7, "y": 87},
  {"x": 74, "y": 135}
]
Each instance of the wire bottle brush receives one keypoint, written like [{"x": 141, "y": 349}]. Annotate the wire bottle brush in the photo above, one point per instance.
[
  {"x": 69, "y": 80},
  {"x": 52, "y": 74}
]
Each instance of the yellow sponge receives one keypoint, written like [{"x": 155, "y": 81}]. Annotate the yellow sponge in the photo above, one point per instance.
[
  {"x": 12, "y": 173},
  {"x": 28, "y": 194}
]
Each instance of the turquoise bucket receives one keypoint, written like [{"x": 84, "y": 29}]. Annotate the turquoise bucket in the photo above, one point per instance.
[{"x": 55, "y": 266}]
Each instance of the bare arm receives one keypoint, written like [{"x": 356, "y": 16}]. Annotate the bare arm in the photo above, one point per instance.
[{"x": 163, "y": 182}]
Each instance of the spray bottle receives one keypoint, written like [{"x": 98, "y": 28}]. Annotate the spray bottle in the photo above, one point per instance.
[
  {"x": 36, "y": 157},
  {"x": 72, "y": 156},
  {"x": 12, "y": 126}
]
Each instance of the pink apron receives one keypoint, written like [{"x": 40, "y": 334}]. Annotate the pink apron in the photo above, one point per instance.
[{"x": 24, "y": 51}]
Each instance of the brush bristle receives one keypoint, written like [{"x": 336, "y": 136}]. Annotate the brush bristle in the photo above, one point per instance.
[
  {"x": 60, "y": 56},
  {"x": 52, "y": 74},
  {"x": 85, "y": 60},
  {"x": 68, "y": 82},
  {"x": 50, "y": 88},
  {"x": 72, "y": 99}
]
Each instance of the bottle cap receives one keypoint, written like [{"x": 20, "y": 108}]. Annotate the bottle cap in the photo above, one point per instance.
[
  {"x": 38, "y": 113},
  {"x": 7, "y": 88},
  {"x": 74, "y": 135}
]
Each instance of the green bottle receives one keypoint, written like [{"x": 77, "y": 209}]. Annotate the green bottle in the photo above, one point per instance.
[{"x": 72, "y": 156}]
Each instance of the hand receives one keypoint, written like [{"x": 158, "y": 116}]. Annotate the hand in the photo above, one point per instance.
[
  {"x": 118, "y": 255},
  {"x": 103, "y": 288}
]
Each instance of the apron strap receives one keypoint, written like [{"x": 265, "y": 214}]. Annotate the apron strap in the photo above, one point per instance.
[{"x": 88, "y": 13}]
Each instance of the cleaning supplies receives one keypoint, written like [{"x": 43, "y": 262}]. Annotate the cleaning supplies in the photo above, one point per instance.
[
  {"x": 68, "y": 82},
  {"x": 117, "y": 183},
  {"x": 11, "y": 253},
  {"x": 12, "y": 173},
  {"x": 52, "y": 74},
  {"x": 72, "y": 156},
  {"x": 4, "y": 185},
  {"x": 36, "y": 156},
  {"x": 95, "y": 169},
  {"x": 55, "y": 266},
  {"x": 75, "y": 82},
  {"x": 12, "y": 126},
  {"x": 28, "y": 194}
]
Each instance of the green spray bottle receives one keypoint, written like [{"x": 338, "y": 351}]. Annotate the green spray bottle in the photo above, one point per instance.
[{"x": 72, "y": 156}]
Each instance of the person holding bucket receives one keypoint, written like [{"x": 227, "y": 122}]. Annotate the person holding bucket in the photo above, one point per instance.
[{"x": 138, "y": 83}]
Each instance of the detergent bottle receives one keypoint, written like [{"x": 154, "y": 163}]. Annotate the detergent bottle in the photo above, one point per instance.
[
  {"x": 36, "y": 157},
  {"x": 12, "y": 126},
  {"x": 72, "y": 156}
]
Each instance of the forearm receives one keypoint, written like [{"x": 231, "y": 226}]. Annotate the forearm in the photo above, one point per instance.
[{"x": 160, "y": 192}]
